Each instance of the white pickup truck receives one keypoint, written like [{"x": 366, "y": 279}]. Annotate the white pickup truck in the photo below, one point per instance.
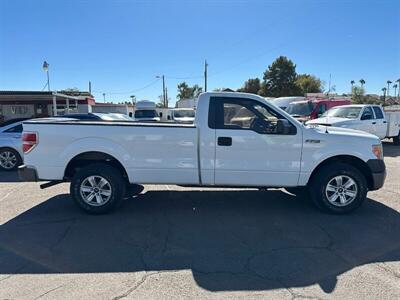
[
  {"x": 236, "y": 140},
  {"x": 365, "y": 117}
]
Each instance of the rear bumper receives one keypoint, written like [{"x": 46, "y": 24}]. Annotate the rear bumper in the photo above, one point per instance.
[
  {"x": 378, "y": 172},
  {"x": 26, "y": 173}
]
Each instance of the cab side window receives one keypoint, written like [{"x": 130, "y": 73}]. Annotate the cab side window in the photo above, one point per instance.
[
  {"x": 367, "y": 114},
  {"x": 15, "y": 129},
  {"x": 246, "y": 114},
  {"x": 378, "y": 112},
  {"x": 321, "y": 109}
]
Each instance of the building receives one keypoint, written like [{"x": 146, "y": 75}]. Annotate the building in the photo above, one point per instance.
[{"x": 35, "y": 104}]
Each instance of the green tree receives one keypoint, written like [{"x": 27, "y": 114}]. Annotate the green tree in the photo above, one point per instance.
[
  {"x": 307, "y": 83},
  {"x": 280, "y": 79},
  {"x": 187, "y": 92},
  {"x": 252, "y": 85}
]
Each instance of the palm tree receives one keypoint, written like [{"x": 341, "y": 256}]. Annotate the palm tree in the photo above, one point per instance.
[
  {"x": 388, "y": 89},
  {"x": 384, "y": 94},
  {"x": 352, "y": 85},
  {"x": 362, "y": 81},
  {"x": 395, "y": 88}
]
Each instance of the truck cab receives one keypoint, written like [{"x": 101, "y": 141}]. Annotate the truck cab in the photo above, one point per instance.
[
  {"x": 312, "y": 109},
  {"x": 369, "y": 118}
]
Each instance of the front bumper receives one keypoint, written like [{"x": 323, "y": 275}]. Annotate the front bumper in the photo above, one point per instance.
[
  {"x": 26, "y": 173},
  {"x": 378, "y": 172}
]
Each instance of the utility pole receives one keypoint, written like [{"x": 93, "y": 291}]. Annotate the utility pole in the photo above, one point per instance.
[
  {"x": 166, "y": 97},
  {"x": 329, "y": 90},
  {"x": 205, "y": 75},
  {"x": 90, "y": 87},
  {"x": 163, "y": 88}
]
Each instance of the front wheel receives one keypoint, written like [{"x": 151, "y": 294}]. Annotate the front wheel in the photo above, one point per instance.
[
  {"x": 98, "y": 188},
  {"x": 338, "y": 188}
]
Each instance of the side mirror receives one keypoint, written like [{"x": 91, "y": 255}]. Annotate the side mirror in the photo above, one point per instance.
[{"x": 283, "y": 126}]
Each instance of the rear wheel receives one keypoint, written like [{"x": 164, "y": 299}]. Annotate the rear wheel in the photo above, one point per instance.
[
  {"x": 9, "y": 159},
  {"x": 98, "y": 188},
  {"x": 338, "y": 188}
]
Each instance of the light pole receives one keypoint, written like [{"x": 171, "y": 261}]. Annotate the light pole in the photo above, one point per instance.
[
  {"x": 46, "y": 69},
  {"x": 163, "y": 88},
  {"x": 104, "y": 97},
  {"x": 133, "y": 99}
]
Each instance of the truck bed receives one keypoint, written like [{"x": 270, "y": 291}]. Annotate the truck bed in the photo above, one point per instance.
[{"x": 147, "y": 150}]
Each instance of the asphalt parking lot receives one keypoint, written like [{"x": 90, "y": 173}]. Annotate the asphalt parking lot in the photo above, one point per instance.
[{"x": 173, "y": 243}]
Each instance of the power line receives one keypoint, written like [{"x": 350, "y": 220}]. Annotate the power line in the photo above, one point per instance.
[{"x": 132, "y": 91}]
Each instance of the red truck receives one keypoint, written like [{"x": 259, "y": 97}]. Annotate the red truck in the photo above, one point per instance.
[{"x": 313, "y": 108}]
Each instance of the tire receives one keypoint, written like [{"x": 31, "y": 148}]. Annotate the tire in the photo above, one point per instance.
[
  {"x": 98, "y": 188},
  {"x": 330, "y": 198},
  {"x": 299, "y": 191},
  {"x": 9, "y": 159}
]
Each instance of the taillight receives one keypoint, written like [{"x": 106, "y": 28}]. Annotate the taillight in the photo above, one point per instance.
[{"x": 29, "y": 141}]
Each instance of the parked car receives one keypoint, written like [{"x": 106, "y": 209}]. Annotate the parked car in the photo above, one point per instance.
[
  {"x": 264, "y": 147},
  {"x": 119, "y": 117},
  {"x": 11, "y": 153},
  {"x": 183, "y": 115},
  {"x": 311, "y": 109},
  {"x": 368, "y": 118}
]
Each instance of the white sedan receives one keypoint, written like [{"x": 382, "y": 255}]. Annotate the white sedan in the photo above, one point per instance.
[{"x": 11, "y": 145}]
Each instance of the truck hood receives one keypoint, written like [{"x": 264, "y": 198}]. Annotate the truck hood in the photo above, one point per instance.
[
  {"x": 328, "y": 121},
  {"x": 339, "y": 131}
]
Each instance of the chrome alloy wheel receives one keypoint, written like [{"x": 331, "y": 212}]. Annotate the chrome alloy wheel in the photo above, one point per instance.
[
  {"x": 8, "y": 160},
  {"x": 341, "y": 190},
  {"x": 95, "y": 190}
]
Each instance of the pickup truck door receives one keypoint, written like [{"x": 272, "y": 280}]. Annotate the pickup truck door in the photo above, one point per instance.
[
  {"x": 381, "y": 123},
  {"x": 249, "y": 152},
  {"x": 367, "y": 120}
]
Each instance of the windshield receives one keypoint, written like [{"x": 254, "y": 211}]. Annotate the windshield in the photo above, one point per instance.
[
  {"x": 184, "y": 113},
  {"x": 300, "y": 108},
  {"x": 145, "y": 114},
  {"x": 343, "y": 112}
]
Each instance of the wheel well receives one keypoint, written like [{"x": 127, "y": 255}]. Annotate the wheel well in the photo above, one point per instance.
[
  {"x": 88, "y": 158},
  {"x": 10, "y": 148},
  {"x": 348, "y": 159}
]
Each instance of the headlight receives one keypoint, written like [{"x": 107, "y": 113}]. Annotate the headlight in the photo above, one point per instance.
[{"x": 378, "y": 151}]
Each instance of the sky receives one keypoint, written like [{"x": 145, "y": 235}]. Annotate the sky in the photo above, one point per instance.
[{"x": 121, "y": 46}]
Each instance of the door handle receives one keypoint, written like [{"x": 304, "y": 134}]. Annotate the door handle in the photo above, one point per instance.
[
  {"x": 224, "y": 141},
  {"x": 384, "y": 122},
  {"x": 373, "y": 123}
]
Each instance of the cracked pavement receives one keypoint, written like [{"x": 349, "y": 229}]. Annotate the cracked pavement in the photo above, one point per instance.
[{"x": 171, "y": 242}]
